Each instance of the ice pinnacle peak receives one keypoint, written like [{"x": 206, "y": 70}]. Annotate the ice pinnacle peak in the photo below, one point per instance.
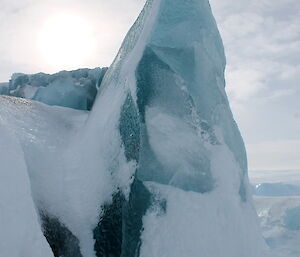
[
  {"x": 163, "y": 116},
  {"x": 158, "y": 167}
]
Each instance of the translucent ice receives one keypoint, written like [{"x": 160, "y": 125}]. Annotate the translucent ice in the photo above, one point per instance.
[
  {"x": 162, "y": 105},
  {"x": 75, "y": 89}
]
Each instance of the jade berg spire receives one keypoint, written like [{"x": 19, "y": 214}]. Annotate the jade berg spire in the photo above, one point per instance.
[{"x": 163, "y": 119}]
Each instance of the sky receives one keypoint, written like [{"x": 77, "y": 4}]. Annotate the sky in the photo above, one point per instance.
[{"x": 262, "y": 45}]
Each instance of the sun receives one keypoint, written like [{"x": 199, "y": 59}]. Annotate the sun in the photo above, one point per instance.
[{"x": 66, "y": 41}]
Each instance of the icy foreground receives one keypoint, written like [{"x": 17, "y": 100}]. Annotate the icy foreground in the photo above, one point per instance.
[
  {"x": 34, "y": 138},
  {"x": 158, "y": 167},
  {"x": 20, "y": 233}
]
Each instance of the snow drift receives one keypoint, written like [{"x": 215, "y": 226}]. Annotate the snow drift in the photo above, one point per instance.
[{"x": 20, "y": 231}]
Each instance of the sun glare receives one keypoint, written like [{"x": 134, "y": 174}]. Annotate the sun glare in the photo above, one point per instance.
[{"x": 66, "y": 41}]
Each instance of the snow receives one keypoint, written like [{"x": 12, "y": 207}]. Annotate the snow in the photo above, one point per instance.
[
  {"x": 45, "y": 134},
  {"x": 211, "y": 224},
  {"x": 20, "y": 233},
  {"x": 66, "y": 175}
]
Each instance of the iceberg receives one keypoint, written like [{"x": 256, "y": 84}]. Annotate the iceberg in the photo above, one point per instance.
[
  {"x": 158, "y": 167},
  {"x": 167, "y": 134},
  {"x": 74, "y": 89}
]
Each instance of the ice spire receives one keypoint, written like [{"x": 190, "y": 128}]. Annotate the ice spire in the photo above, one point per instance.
[{"x": 167, "y": 135}]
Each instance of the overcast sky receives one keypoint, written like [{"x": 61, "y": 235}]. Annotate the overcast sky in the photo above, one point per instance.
[{"x": 262, "y": 43}]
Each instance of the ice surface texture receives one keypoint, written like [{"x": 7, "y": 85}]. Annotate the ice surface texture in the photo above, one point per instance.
[
  {"x": 172, "y": 65},
  {"x": 43, "y": 134},
  {"x": 20, "y": 232},
  {"x": 162, "y": 115},
  {"x": 75, "y": 89}
]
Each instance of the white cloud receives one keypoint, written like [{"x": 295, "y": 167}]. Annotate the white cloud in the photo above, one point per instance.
[
  {"x": 250, "y": 82},
  {"x": 262, "y": 41},
  {"x": 274, "y": 155}
]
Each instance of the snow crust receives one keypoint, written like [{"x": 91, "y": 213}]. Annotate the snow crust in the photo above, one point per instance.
[
  {"x": 45, "y": 134},
  {"x": 20, "y": 233}
]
